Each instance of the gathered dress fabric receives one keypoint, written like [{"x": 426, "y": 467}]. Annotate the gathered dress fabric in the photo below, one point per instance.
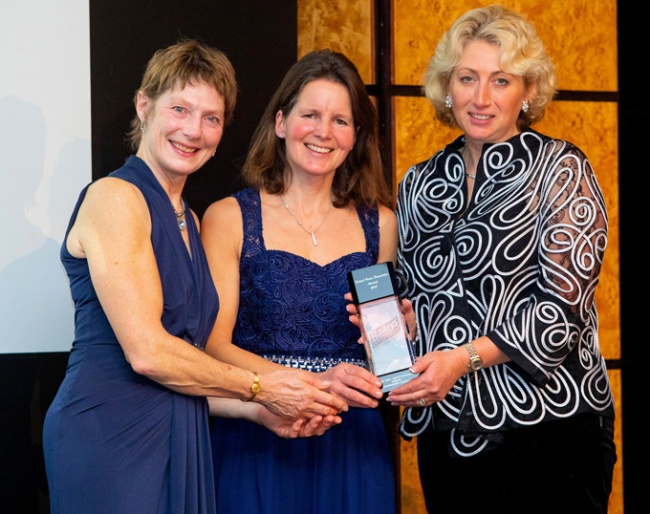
[
  {"x": 292, "y": 311},
  {"x": 116, "y": 442},
  {"x": 517, "y": 262}
]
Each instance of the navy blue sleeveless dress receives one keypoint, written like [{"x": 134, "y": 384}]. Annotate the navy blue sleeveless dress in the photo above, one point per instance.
[
  {"x": 292, "y": 311},
  {"x": 116, "y": 442}
]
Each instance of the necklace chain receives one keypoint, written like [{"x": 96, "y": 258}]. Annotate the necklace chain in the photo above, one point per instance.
[
  {"x": 179, "y": 216},
  {"x": 462, "y": 153},
  {"x": 312, "y": 233}
]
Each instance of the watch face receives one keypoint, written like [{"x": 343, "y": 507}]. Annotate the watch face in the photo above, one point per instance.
[
  {"x": 255, "y": 388},
  {"x": 476, "y": 364}
]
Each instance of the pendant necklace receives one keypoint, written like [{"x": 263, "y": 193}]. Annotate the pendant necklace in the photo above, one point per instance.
[
  {"x": 312, "y": 233},
  {"x": 179, "y": 215}
]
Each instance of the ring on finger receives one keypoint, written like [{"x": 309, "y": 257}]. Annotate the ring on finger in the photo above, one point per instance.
[{"x": 422, "y": 402}]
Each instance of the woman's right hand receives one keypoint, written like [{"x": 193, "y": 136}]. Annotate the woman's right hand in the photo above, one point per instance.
[{"x": 297, "y": 394}]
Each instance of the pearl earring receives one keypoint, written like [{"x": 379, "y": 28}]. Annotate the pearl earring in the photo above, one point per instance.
[
  {"x": 524, "y": 106},
  {"x": 448, "y": 102}
]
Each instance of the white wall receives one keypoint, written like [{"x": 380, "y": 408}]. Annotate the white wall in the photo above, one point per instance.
[{"x": 45, "y": 159}]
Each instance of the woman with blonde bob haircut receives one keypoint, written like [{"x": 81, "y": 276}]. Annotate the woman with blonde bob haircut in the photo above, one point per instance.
[
  {"x": 522, "y": 54},
  {"x": 502, "y": 235}
]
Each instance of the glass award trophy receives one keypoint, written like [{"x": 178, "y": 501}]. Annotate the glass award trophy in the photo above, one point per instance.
[{"x": 385, "y": 334}]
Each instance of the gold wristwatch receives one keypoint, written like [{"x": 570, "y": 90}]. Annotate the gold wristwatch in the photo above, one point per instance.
[
  {"x": 475, "y": 361},
  {"x": 256, "y": 387}
]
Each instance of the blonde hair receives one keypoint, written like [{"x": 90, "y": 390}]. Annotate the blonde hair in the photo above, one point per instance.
[
  {"x": 522, "y": 54},
  {"x": 186, "y": 62}
]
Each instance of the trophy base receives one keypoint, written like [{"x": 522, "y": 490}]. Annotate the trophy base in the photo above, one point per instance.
[{"x": 392, "y": 380}]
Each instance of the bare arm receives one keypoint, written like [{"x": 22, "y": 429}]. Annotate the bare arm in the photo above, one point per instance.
[
  {"x": 387, "y": 235},
  {"x": 112, "y": 232},
  {"x": 222, "y": 237},
  {"x": 280, "y": 426}
]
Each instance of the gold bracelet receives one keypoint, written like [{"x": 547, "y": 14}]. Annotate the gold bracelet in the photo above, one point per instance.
[{"x": 255, "y": 388}]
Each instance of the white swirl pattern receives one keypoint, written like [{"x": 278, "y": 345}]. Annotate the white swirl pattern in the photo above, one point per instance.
[{"x": 518, "y": 262}]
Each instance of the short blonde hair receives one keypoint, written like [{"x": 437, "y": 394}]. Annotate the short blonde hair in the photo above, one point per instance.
[
  {"x": 186, "y": 62},
  {"x": 522, "y": 54}
]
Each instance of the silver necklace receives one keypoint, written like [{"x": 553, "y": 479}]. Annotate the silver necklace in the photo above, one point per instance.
[
  {"x": 179, "y": 215},
  {"x": 462, "y": 153},
  {"x": 312, "y": 233}
]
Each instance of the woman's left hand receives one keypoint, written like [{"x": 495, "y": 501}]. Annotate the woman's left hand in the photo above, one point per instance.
[
  {"x": 292, "y": 429},
  {"x": 438, "y": 372}
]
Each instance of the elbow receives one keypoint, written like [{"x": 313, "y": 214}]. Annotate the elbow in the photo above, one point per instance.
[{"x": 142, "y": 365}]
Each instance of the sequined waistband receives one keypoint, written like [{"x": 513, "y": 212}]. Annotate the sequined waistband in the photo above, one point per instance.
[{"x": 316, "y": 364}]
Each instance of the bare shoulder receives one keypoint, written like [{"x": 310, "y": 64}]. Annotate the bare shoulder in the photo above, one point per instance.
[
  {"x": 113, "y": 213},
  {"x": 113, "y": 191},
  {"x": 222, "y": 211},
  {"x": 113, "y": 201},
  {"x": 222, "y": 224},
  {"x": 387, "y": 217},
  {"x": 387, "y": 235}
]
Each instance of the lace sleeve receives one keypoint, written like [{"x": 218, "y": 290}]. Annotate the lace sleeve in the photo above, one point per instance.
[{"x": 573, "y": 236}]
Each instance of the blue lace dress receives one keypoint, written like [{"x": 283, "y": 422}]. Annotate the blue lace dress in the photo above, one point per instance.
[
  {"x": 293, "y": 312},
  {"x": 116, "y": 442}
]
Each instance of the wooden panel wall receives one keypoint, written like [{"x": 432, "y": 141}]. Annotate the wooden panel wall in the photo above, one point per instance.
[{"x": 586, "y": 61}]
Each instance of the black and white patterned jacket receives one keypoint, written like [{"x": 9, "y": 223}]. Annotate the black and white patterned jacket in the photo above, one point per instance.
[{"x": 519, "y": 263}]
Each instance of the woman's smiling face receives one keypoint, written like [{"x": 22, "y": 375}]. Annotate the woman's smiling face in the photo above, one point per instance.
[
  {"x": 183, "y": 128},
  {"x": 319, "y": 130},
  {"x": 485, "y": 99}
]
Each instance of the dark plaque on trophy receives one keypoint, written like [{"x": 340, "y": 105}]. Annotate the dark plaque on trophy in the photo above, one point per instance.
[{"x": 385, "y": 333}]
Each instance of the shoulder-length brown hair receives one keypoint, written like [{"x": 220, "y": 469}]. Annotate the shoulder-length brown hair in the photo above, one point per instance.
[{"x": 360, "y": 178}]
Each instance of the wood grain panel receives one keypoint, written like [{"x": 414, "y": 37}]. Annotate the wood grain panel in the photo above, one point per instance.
[
  {"x": 342, "y": 26},
  {"x": 580, "y": 36},
  {"x": 593, "y": 126}
]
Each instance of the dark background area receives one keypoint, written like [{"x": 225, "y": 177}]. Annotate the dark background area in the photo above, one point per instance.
[
  {"x": 259, "y": 36},
  {"x": 632, "y": 50}
]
